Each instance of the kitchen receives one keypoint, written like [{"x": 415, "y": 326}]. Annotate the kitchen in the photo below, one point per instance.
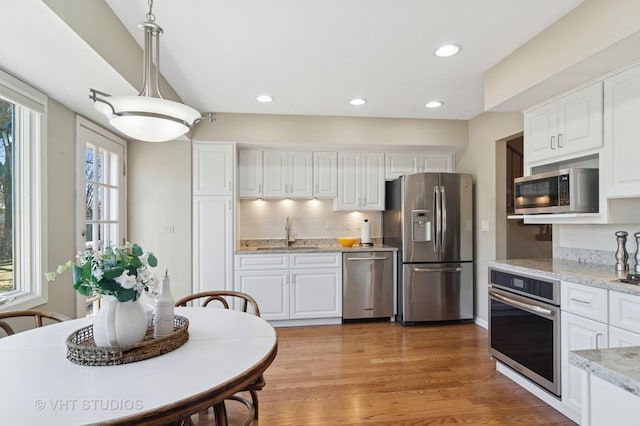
[{"x": 163, "y": 171}]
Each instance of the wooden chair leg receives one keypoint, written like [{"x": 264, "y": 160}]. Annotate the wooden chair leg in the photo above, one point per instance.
[
  {"x": 254, "y": 401},
  {"x": 220, "y": 414}
]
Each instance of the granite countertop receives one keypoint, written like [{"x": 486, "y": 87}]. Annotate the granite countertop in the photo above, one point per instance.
[
  {"x": 618, "y": 366},
  {"x": 312, "y": 249},
  {"x": 595, "y": 275}
]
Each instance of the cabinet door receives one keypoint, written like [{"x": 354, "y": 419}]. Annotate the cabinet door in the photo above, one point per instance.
[
  {"x": 300, "y": 174},
  {"x": 212, "y": 243},
  {"x": 316, "y": 293},
  {"x": 250, "y": 174},
  {"x": 397, "y": 164},
  {"x": 275, "y": 174},
  {"x": 349, "y": 177},
  {"x": 372, "y": 186},
  {"x": 577, "y": 333},
  {"x": 619, "y": 338},
  {"x": 431, "y": 162},
  {"x": 325, "y": 174},
  {"x": 622, "y": 127},
  {"x": 624, "y": 311},
  {"x": 580, "y": 120},
  {"x": 269, "y": 288},
  {"x": 213, "y": 168},
  {"x": 540, "y": 133}
]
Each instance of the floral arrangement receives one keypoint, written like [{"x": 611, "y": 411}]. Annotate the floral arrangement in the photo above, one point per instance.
[{"x": 122, "y": 272}]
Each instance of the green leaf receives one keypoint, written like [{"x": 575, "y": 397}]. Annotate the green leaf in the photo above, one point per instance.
[
  {"x": 84, "y": 290},
  {"x": 136, "y": 250},
  {"x": 135, "y": 262},
  {"x": 114, "y": 272},
  {"x": 77, "y": 273},
  {"x": 126, "y": 295},
  {"x": 153, "y": 262}
]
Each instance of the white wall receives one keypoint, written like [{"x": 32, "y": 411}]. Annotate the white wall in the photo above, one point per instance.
[
  {"x": 593, "y": 243},
  {"x": 480, "y": 160}
]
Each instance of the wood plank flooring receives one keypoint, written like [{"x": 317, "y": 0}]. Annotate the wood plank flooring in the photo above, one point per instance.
[{"x": 380, "y": 373}]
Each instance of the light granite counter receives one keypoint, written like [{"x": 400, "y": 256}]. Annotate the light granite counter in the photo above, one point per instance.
[
  {"x": 618, "y": 366},
  {"x": 312, "y": 249},
  {"x": 595, "y": 275}
]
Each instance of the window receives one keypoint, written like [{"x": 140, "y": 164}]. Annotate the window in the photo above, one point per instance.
[{"x": 22, "y": 195}]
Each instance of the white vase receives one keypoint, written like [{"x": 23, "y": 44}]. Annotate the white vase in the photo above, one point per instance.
[{"x": 119, "y": 323}]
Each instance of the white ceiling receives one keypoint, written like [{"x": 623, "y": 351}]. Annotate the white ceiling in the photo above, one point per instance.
[{"x": 314, "y": 56}]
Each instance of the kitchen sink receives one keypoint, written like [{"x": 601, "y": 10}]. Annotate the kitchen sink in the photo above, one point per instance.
[{"x": 289, "y": 248}]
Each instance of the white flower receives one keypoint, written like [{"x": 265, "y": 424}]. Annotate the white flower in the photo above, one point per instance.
[
  {"x": 144, "y": 259},
  {"x": 126, "y": 280},
  {"x": 144, "y": 275},
  {"x": 98, "y": 273}
]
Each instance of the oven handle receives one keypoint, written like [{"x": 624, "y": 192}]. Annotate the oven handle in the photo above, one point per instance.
[{"x": 548, "y": 313}]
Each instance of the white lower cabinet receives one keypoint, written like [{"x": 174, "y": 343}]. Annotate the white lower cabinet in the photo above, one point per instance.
[
  {"x": 295, "y": 286},
  {"x": 610, "y": 404},
  {"x": 583, "y": 325}
]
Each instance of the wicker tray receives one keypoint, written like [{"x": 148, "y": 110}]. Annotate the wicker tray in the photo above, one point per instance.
[{"x": 81, "y": 348}]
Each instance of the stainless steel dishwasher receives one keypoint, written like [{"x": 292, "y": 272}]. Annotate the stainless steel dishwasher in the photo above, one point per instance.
[{"x": 367, "y": 284}]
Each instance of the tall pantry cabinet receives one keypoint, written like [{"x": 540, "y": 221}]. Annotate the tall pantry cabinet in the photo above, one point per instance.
[{"x": 213, "y": 215}]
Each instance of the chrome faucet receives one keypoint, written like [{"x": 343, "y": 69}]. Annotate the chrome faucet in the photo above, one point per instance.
[{"x": 287, "y": 232}]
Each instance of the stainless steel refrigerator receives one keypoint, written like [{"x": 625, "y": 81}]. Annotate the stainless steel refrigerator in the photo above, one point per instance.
[{"x": 429, "y": 218}]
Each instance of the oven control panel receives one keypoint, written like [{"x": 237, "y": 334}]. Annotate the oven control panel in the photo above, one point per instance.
[{"x": 540, "y": 288}]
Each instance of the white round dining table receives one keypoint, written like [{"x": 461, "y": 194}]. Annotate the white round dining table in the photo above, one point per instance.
[{"x": 226, "y": 351}]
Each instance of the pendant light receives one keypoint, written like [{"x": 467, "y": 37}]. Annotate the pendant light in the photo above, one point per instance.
[{"x": 148, "y": 116}]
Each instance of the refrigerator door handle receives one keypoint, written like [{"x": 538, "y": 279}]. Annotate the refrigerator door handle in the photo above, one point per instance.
[
  {"x": 443, "y": 218},
  {"x": 437, "y": 269},
  {"x": 367, "y": 258},
  {"x": 436, "y": 208}
]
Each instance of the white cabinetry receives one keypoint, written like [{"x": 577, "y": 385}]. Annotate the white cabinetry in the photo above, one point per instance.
[
  {"x": 583, "y": 326},
  {"x": 569, "y": 125},
  {"x": 250, "y": 174},
  {"x": 621, "y": 130},
  {"x": 287, "y": 174},
  {"x": 360, "y": 181},
  {"x": 295, "y": 286},
  {"x": 402, "y": 163},
  {"x": 624, "y": 319},
  {"x": 212, "y": 215},
  {"x": 610, "y": 404},
  {"x": 213, "y": 168},
  {"x": 325, "y": 174}
]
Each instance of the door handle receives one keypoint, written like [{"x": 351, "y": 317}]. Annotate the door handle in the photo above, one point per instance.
[
  {"x": 437, "y": 269},
  {"x": 436, "y": 240},
  {"x": 560, "y": 140},
  {"x": 525, "y": 306},
  {"x": 443, "y": 219},
  {"x": 553, "y": 142}
]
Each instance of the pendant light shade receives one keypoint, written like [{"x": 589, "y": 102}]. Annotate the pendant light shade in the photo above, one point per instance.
[{"x": 148, "y": 116}]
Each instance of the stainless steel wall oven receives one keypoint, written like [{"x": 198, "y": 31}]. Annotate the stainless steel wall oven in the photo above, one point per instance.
[{"x": 524, "y": 326}]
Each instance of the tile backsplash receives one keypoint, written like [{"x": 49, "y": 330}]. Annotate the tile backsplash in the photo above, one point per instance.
[
  {"x": 593, "y": 243},
  {"x": 265, "y": 219}
]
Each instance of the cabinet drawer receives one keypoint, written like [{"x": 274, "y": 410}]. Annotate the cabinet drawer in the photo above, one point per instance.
[
  {"x": 624, "y": 311},
  {"x": 589, "y": 302},
  {"x": 315, "y": 260},
  {"x": 258, "y": 262}
]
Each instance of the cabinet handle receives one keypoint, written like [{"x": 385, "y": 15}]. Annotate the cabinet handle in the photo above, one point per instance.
[
  {"x": 553, "y": 142},
  {"x": 260, "y": 188},
  {"x": 317, "y": 188},
  {"x": 584, "y": 302},
  {"x": 229, "y": 186},
  {"x": 597, "y": 335},
  {"x": 560, "y": 140},
  {"x": 364, "y": 202}
]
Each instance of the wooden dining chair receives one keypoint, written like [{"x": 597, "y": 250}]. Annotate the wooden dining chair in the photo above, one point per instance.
[
  {"x": 37, "y": 316},
  {"x": 230, "y": 300}
]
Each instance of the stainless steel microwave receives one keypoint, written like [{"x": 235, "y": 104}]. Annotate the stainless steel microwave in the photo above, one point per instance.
[{"x": 560, "y": 191}]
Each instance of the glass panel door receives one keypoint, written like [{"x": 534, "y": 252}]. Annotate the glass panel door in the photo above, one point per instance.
[{"x": 102, "y": 198}]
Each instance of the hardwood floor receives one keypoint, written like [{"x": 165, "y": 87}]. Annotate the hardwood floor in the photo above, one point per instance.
[{"x": 384, "y": 374}]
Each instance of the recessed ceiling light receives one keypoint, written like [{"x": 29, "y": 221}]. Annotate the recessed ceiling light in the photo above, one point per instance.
[
  {"x": 433, "y": 104},
  {"x": 447, "y": 50},
  {"x": 264, "y": 98},
  {"x": 358, "y": 101}
]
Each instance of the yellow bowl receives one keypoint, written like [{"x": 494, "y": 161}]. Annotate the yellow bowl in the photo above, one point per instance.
[{"x": 346, "y": 242}]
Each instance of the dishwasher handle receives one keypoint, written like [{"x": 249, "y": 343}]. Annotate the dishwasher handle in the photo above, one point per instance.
[{"x": 367, "y": 258}]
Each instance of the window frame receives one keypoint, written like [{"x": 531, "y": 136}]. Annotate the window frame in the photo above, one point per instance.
[{"x": 30, "y": 194}]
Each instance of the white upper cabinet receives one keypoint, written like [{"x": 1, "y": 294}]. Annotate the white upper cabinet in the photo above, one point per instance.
[
  {"x": 404, "y": 163},
  {"x": 325, "y": 174},
  {"x": 360, "y": 181},
  {"x": 250, "y": 174},
  {"x": 622, "y": 129},
  {"x": 567, "y": 126},
  {"x": 213, "y": 168},
  {"x": 287, "y": 174}
]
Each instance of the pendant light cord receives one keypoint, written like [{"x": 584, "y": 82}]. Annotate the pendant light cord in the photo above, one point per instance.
[{"x": 150, "y": 16}]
